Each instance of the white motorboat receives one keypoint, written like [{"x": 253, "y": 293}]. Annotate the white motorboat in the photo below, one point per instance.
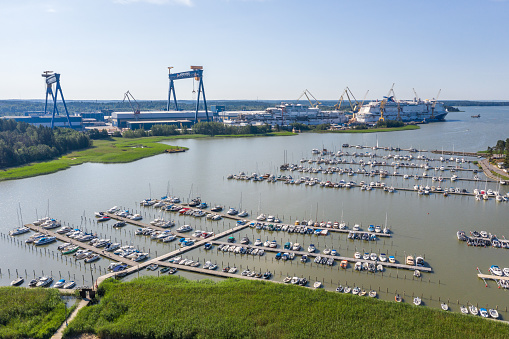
[
  {"x": 383, "y": 257},
  {"x": 417, "y": 301},
  {"x": 373, "y": 256},
  {"x": 69, "y": 285},
  {"x": 258, "y": 242},
  {"x": 444, "y": 306},
  {"x": 317, "y": 284},
  {"x": 311, "y": 248},
  {"x": 357, "y": 255},
  {"x": 44, "y": 281},
  {"x": 473, "y": 310},
  {"x": 464, "y": 309},
  {"x": 20, "y": 230},
  {"x": 44, "y": 240},
  {"x": 92, "y": 258},
  {"x": 59, "y": 284},
  {"x": 184, "y": 228},
  {"x": 484, "y": 313},
  {"x": 495, "y": 270}
]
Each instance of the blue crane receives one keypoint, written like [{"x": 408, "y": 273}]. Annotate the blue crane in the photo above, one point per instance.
[
  {"x": 196, "y": 72},
  {"x": 52, "y": 78}
]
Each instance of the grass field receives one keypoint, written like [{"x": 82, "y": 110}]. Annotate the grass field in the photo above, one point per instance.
[
  {"x": 173, "y": 307},
  {"x": 30, "y": 313}
]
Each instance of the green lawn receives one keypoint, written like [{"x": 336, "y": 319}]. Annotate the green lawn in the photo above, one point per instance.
[
  {"x": 30, "y": 313},
  {"x": 173, "y": 307}
]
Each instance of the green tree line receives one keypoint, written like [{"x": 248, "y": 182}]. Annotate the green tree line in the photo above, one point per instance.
[{"x": 22, "y": 143}]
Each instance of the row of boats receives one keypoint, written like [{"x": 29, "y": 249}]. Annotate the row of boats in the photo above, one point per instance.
[
  {"x": 482, "y": 239},
  {"x": 44, "y": 281}
]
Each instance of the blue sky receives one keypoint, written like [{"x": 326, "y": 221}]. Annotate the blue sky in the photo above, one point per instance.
[{"x": 256, "y": 49}]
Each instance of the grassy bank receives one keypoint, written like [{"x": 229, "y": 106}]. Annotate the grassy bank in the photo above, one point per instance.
[
  {"x": 376, "y": 130},
  {"x": 115, "y": 150},
  {"x": 173, "y": 307},
  {"x": 30, "y": 313}
]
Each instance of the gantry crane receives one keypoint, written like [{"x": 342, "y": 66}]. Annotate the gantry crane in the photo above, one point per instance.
[
  {"x": 196, "y": 72},
  {"x": 52, "y": 78}
]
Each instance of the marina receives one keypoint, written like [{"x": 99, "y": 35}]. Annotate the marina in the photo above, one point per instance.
[{"x": 424, "y": 227}]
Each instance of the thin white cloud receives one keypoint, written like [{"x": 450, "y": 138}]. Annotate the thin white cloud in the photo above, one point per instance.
[{"x": 188, "y": 3}]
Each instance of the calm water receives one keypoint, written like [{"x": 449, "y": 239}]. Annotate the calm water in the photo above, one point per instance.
[{"x": 421, "y": 225}]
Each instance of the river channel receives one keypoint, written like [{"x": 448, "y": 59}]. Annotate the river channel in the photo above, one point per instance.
[{"x": 420, "y": 225}]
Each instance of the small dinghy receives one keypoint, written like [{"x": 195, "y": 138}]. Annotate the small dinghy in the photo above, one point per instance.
[
  {"x": 17, "y": 281},
  {"x": 493, "y": 313},
  {"x": 398, "y": 298}
]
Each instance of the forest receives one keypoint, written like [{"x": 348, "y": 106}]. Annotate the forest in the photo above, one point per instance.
[{"x": 22, "y": 143}]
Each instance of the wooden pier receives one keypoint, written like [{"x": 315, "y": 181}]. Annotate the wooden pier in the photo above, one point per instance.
[{"x": 492, "y": 277}]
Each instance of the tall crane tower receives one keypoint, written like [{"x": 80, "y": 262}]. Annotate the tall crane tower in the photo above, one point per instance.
[
  {"x": 196, "y": 72},
  {"x": 52, "y": 78}
]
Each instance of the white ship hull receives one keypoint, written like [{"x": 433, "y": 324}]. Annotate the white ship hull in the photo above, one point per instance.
[{"x": 406, "y": 111}]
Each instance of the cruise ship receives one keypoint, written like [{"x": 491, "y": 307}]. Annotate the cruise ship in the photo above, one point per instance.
[
  {"x": 416, "y": 110},
  {"x": 286, "y": 114}
]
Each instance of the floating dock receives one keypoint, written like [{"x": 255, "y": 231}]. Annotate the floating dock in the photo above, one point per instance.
[{"x": 335, "y": 257}]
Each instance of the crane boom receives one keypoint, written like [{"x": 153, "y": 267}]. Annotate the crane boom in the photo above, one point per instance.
[{"x": 129, "y": 96}]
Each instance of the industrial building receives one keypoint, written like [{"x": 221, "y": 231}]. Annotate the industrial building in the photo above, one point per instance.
[
  {"x": 149, "y": 118},
  {"x": 48, "y": 120}
]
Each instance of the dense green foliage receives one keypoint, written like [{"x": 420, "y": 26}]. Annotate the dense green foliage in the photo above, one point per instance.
[
  {"x": 30, "y": 313},
  {"x": 217, "y": 128},
  {"x": 502, "y": 147},
  {"x": 389, "y": 124},
  {"x": 173, "y": 307},
  {"x": 21, "y": 143}
]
